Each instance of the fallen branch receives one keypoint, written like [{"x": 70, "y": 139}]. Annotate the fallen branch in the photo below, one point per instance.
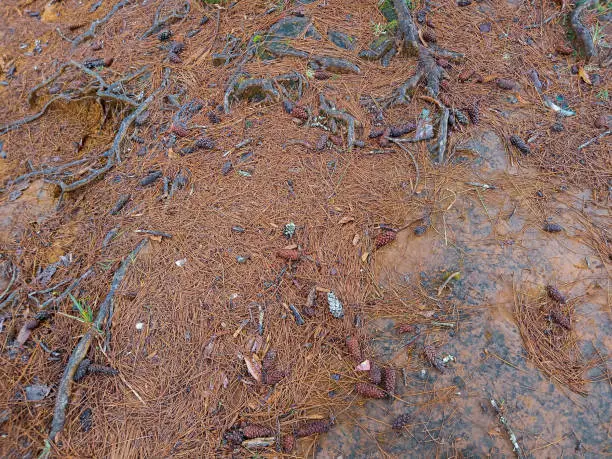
[
  {"x": 81, "y": 349},
  {"x": 91, "y": 32},
  {"x": 160, "y": 23},
  {"x": 330, "y": 110},
  {"x": 504, "y": 422},
  {"x": 440, "y": 145},
  {"x": 595, "y": 139}
]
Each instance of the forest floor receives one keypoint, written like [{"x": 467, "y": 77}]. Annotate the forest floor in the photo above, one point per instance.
[{"x": 307, "y": 228}]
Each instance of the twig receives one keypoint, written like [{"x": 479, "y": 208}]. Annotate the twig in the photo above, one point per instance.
[
  {"x": 416, "y": 165},
  {"x": 14, "y": 275},
  {"x": 154, "y": 233},
  {"x": 504, "y": 422},
  {"x": 330, "y": 110},
  {"x": 57, "y": 300},
  {"x": 81, "y": 349},
  {"x": 440, "y": 146},
  {"x": 28, "y": 119},
  {"x": 544, "y": 22},
  {"x": 595, "y": 139},
  {"x": 91, "y": 32},
  {"x": 174, "y": 16},
  {"x": 448, "y": 279}
]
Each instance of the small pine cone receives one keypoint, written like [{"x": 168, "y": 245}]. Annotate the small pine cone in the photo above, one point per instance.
[
  {"x": 179, "y": 130},
  {"x": 402, "y": 129},
  {"x": 555, "y": 294},
  {"x": 401, "y": 421},
  {"x": 383, "y": 141},
  {"x": 288, "y": 254},
  {"x": 322, "y": 142},
  {"x": 405, "y": 328},
  {"x": 102, "y": 369},
  {"x": 385, "y": 238},
  {"x": 389, "y": 380},
  {"x": 322, "y": 74},
  {"x": 299, "y": 112},
  {"x": 174, "y": 58},
  {"x": 176, "y": 47},
  {"x": 288, "y": 443},
  {"x": 465, "y": 75},
  {"x": 560, "y": 319},
  {"x": 429, "y": 36},
  {"x": 432, "y": 357},
  {"x": 164, "y": 35},
  {"x": 308, "y": 311},
  {"x": 376, "y": 133},
  {"x": 474, "y": 113},
  {"x": 257, "y": 431},
  {"x": 552, "y": 228},
  {"x": 369, "y": 390},
  {"x": 213, "y": 117},
  {"x": 268, "y": 360},
  {"x": 507, "y": 84},
  {"x": 205, "y": 143},
  {"x": 336, "y": 140},
  {"x": 520, "y": 144},
  {"x": 234, "y": 436},
  {"x": 273, "y": 377},
  {"x": 375, "y": 373},
  {"x": 460, "y": 116},
  {"x": 354, "y": 350},
  {"x": 81, "y": 370},
  {"x": 564, "y": 49},
  {"x": 308, "y": 428}
]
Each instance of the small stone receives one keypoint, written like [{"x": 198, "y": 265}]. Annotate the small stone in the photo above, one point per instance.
[
  {"x": 227, "y": 167},
  {"x": 557, "y": 127},
  {"x": 485, "y": 27}
]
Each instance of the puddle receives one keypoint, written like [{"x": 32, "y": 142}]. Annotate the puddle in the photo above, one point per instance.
[{"x": 494, "y": 239}]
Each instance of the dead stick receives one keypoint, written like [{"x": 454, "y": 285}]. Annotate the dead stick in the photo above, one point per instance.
[
  {"x": 80, "y": 351},
  {"x": 502, "y": 419}
]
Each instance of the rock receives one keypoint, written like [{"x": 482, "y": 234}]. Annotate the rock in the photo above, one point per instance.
[
  {"x": 289, "y": 27},
  {"x": 342, "y": 40},
  {"x": 36, "y": 392},
  {"x": 377, "y": 49}
]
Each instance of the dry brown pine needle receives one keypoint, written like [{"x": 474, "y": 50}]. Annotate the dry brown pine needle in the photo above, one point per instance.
[
  {"x": 257, "y": 431},
  {"x": 369, "y": 390},
  {"x": 555, "y": 294},
  {"x": 561, "y": 319},
  {"x": 354, "y": 350},
  {"x": 389, "y": 380},
  {"x": 308, "y": 428},
  {"x": 401, "y": 421},
  {"x": 273, "y": 377},
  {"x": 385, "y": 238}
]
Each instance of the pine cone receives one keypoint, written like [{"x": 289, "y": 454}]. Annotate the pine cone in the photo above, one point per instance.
[
  {"x": 322, "y": 142},
  {"x": 376, "y": 133},
  {"x": 268, "y": 360},
  {"x": 288, "y": 443},
  {"x": 474, "y": 113},
  {"x": 354, "y": 350},
  {"x": 552, "y": 228},
  {"x": 405, "y": 328},
  {"x": 81, "y": 370},
  {"x": 507, "y": 84},
  {"x": 299, "y": 112},
  {"x": 431, "y": 354},
  {"x": 308, "y": 428},
  {"x": 322, "y": 74},
  {"x": 429, "y": 36},
  {"x": 288, "y": 254},
  {"x": 336, "y": 140},
  {"x": 205, "y": 143},
  {"x": 273, "y": 377},
  {"x": 389, "y": 380},
  {"x": 385, "y": 238},
  {"x": 401, "y": 421},
  {"x": 560, "y": 319},
  {"x": 402, "y": 129},
  {"x": 257, "y": 431},
  {"x": 520, "y": 144},
  {"x": 176, "y": 47},
  {"x": 213, "y": 117},
  {"x": 564, "y": 49},
  {"x": 555, "y": 294},
  {"x": 164, "y": 35},
  {"x": 234, "y": 436},
  {"x": 179, "y": 130},
  {"x": 369, "y": 390},
  {"x": 465, "y": 75},
  {"x": 375, "y": 373},
  {"x": 102, "y": 369},
  {"x": 460, "y": 116},
  {"x": 31, "y": 324}
]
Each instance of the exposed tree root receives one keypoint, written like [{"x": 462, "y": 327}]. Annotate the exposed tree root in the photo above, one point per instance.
[
  {"x": 330, "y": 110},
  {"x": 439, "y": 147},
  {"x": 583, "y": 35},
  {"x": 159, "y": 23},
  {"x": 81, "y": 349},
  {"x": 91, "y": 32}
]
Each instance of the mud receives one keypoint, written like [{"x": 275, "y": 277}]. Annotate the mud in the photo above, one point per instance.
[{"x": 494, "y": 238}]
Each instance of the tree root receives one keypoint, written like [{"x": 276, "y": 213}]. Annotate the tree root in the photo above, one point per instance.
[
  {"x": 81, "y": 349},
  {"x": 91, "y": 32},
  {"x": 160, "y": 23},
  {"x": 242, "y": 86},
  {"x": 439, "y": 148},
  {"x": 28, "y": 119},
  {"x": 583, "y": 35},
  {"x": 407, "y": 29},
  {"x": 330, "y": 110}
]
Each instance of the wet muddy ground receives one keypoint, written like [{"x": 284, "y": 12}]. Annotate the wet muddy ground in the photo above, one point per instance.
[{"x": 494, "y": 238}]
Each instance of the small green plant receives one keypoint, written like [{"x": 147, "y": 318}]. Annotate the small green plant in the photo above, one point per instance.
[
  {"x": 378, "y": 29},
  {"x": 603, "y": 95},
  {"x": 257, "y": 38},
  {"x": 310, "y": 73},
  {"x": 597, "y": 32},
  {"x": 85, "y": 312}
]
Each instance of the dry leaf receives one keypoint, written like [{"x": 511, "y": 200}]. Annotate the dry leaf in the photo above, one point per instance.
[
  {"x": 584, "y": 75},
  {"x": 363, "y": 366},
  {"x": 356, "y": 239},
  {"x": 290, "y": 247},
  {"x": 487, "y": 78},
  {"x": 23, "y": 336},
  {"x": 254, "y": 367},
  {"x": 155, "y": 238},
  {"x": 345, "y": 220},
  {"x": 365, "y": 256},
  {"x": 427, "y": 314}
]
